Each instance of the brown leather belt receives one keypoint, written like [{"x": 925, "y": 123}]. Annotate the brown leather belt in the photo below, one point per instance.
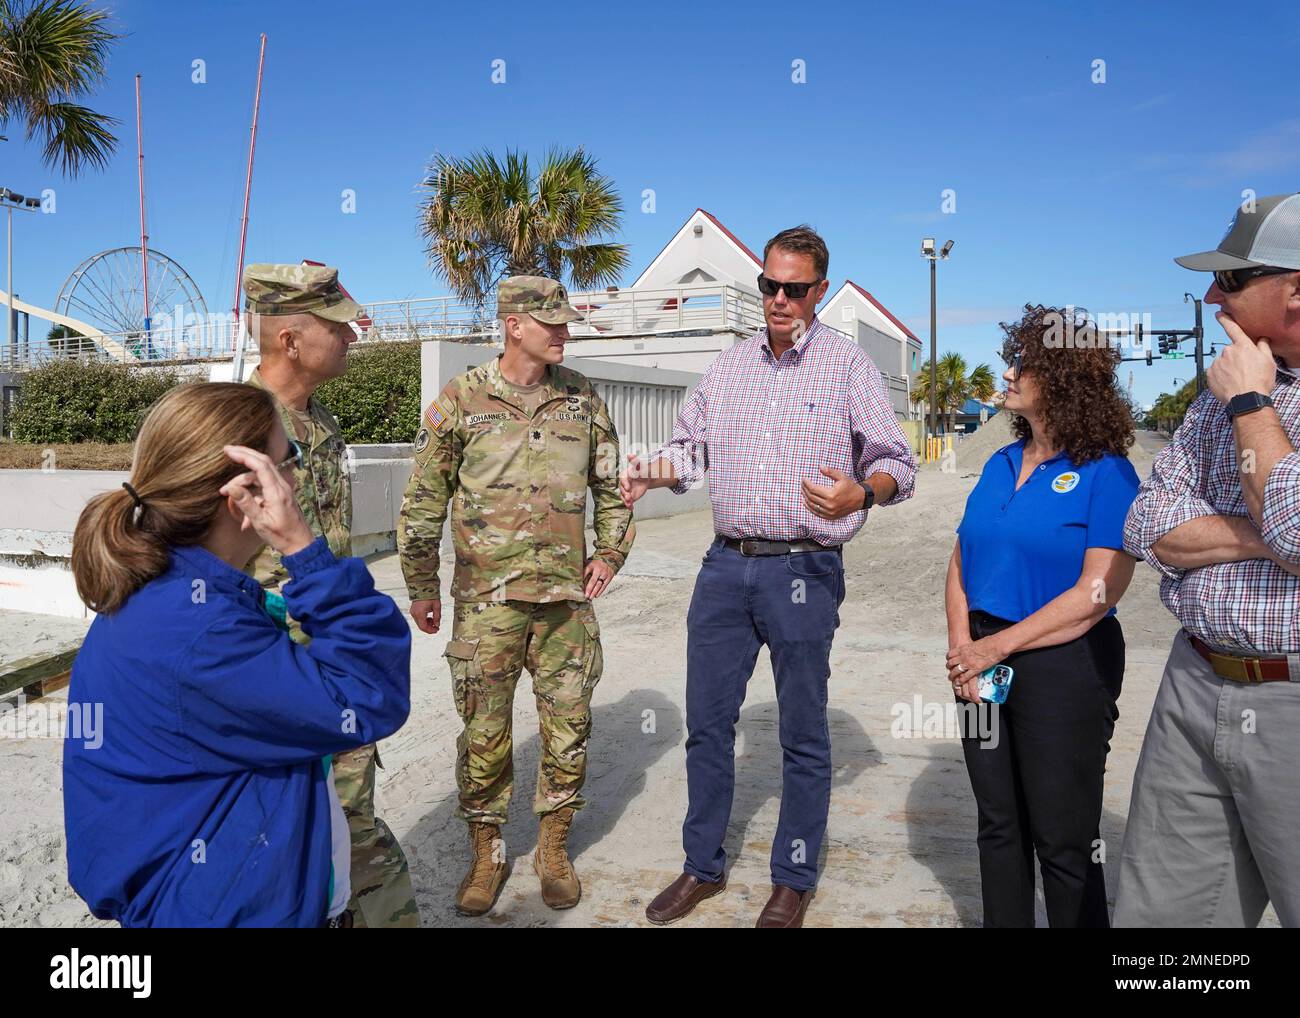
[
  {"x": 760, "y": 546},
  {"x": 1245, "y": 669}
]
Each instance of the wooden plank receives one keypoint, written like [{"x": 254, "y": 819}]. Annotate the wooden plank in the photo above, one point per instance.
[
  {"x": 36, "y": 670},
  {"x": 47, "y": 686}
]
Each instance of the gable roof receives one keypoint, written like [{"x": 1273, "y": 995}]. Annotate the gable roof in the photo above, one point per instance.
[
  {"x": 883, "y": 310},
  {"x": 731, "y": 237}
]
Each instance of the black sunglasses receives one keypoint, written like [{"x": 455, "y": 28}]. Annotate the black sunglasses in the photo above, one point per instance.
[
  {"x": 295, "y": 457},
  {"x": 1235, "y": 280},
  {"x": 769, "y": 287}
]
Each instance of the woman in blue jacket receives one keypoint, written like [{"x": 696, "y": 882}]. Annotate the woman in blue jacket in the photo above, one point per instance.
[
  {"x": 208, "y": 800},
  {"x": 1033, "y": 582}
]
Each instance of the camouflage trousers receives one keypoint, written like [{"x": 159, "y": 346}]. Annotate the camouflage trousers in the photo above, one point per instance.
[
  {"x": 492, "y": 642},
  {"x": 382, "y": 895}
]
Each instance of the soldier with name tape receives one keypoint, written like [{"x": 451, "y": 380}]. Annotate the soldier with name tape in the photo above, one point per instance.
[{"x": 509, "y": 449}]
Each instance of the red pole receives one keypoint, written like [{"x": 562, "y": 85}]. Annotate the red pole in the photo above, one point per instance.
[
  {"x": 144, "y": 236},
  {"x": 248, "y": 181}
]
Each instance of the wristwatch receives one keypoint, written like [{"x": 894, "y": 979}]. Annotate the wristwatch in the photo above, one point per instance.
[
  {"x": 870, "y": 499},
  {"x": 1247, "y": 403}
]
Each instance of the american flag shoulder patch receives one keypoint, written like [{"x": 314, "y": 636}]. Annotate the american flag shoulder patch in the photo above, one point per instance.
[{"x": 436, "y": 415}]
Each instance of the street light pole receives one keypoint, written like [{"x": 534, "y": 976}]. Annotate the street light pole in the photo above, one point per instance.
[
  {"x": 9, "y": 286},
  {"x": 13, "y": 200},
  {"x": 928, "y": 251},
  {"x": 934, "y": 350}
]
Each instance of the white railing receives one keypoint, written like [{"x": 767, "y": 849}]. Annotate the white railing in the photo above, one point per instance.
[{"x": 610, "y": 313}]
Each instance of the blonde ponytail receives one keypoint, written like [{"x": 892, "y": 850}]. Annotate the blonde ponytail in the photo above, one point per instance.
[{"x": 123, "y": 537}]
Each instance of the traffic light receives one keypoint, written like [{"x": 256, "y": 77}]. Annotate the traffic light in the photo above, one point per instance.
[
  {"x": 1165, "y": 344},
  {"x": 1148, "y": 356}
]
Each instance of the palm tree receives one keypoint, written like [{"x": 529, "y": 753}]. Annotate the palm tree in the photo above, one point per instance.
[
  {"x": 51, "y": 53},
  {"x": 954, "y": 386},
  {"x": 485, "y": 218}
]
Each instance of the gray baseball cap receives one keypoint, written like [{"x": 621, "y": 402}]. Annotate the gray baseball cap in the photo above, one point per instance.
[{"x": 1267, "y": 233}]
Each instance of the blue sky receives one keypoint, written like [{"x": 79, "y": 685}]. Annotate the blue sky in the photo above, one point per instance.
[{"x": 1066, "y": 191}]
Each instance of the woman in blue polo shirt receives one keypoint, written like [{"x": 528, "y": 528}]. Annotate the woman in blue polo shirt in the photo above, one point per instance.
[{"x": 1033, "y": 582}]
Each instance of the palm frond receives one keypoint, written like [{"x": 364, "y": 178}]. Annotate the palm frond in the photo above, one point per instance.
[{"x": 53, "y": 52}]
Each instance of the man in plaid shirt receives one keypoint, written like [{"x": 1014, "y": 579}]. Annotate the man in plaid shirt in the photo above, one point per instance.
[
  {"x": 797, "y": 433},
  {"x": 1213, "y": 823}
]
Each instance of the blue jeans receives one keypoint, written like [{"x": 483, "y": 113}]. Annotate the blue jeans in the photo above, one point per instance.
[{"x": 790, "y": 603}]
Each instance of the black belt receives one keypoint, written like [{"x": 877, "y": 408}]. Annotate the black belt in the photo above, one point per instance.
[{"x": 760, "y": 546}]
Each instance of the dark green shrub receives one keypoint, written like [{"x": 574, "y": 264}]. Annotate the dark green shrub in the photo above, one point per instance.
[
  {"x": 71, "y": 401},
  {"x": 378, "y": 399}
]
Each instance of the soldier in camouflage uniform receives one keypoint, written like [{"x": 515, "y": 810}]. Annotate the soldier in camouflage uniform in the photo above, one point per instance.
[
  {"x": 510, "y": 448},
  {"x": 300, "y": 316}
]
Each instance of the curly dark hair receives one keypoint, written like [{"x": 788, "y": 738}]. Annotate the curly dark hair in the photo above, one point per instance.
[{"x": 1074, "y": 368}]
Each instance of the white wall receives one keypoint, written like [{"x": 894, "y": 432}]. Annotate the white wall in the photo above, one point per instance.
[
  {"x": 710, "y": 257},
  {"x": 39, "y": 511}
]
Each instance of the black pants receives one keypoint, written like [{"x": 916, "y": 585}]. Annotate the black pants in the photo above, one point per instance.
[{"x": 1038, "y": 784}]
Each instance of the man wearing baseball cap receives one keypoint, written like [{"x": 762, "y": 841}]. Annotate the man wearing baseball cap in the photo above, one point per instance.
[
  {"x": 301, "y": 317},
  {"x": 1211, "y": 836},
  {"x": 510, "y": 449}
]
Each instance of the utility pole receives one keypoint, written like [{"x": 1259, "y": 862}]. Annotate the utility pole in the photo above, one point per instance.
[
  {"x": 1199, "y": 333},
  {"x": 144, "y": 233},
  {"x": 248, "y": 179}
]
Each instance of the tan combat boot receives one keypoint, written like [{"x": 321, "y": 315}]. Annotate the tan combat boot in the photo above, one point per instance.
[
  {"x": 560, "y": 885},
  {"x": 487, "y": 872}
]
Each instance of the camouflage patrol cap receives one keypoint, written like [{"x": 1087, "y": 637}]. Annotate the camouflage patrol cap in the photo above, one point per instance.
[
  {"x": 544, "y": 299},
  {"x": 298, "y": 289}
]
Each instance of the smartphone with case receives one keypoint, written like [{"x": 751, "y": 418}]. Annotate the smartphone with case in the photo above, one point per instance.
[{"x": 995, "y": 683}]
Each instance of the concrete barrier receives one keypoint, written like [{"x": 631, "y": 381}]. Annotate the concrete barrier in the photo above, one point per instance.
[{"x": 39, "y": 511}]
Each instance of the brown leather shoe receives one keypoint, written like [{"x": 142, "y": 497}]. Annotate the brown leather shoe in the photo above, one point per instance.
[
  {"x": 785, "y": 909},
  {"x": 677, "y": 899}
]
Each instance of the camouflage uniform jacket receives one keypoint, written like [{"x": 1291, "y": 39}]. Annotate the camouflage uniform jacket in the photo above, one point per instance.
[
  {"x": 516, "y": 488},
  {"x": 323, "y": 488}
]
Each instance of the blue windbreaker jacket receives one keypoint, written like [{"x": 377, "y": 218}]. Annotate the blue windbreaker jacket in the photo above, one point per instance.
[{"x": 206, "y": 803}]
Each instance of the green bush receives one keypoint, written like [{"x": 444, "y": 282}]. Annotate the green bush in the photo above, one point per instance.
[
  {"x": 71, "y": 401},
  {"x": 378, "y": 399}
]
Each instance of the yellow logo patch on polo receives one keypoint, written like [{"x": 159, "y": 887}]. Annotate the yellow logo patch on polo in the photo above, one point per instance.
[{"x": 1067, "y": 481}]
